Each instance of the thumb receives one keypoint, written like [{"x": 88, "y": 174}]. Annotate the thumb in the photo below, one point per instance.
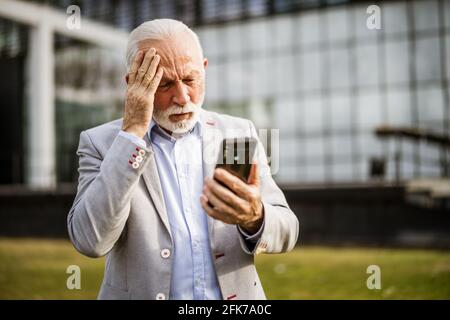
[{"x": 253, "y": 178}]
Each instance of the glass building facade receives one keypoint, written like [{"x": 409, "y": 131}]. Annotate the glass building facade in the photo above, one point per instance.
[
  {"x": 312, "y": 69},
  {"x": 327, "y": 81}
]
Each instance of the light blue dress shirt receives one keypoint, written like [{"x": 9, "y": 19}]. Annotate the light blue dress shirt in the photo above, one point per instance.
[{"x": 180, "y": 168}]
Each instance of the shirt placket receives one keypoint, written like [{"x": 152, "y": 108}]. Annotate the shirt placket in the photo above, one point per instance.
[{"x": 186, "y": 196}]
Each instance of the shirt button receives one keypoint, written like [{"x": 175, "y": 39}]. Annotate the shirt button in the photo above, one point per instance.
[
  {"x": 135, "y": 165},
  {"x": 141, "y": 152},
  {"x": 165, "y": 253},
  {"x": 139, "y": 159},
  {"x": 160, "y": 296}
]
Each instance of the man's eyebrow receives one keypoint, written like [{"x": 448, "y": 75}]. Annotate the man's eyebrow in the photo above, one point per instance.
[{"x": 187, "y": 75}]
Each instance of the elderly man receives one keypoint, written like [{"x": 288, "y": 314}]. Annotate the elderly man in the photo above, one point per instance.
[{"x": 171, "y": 225}]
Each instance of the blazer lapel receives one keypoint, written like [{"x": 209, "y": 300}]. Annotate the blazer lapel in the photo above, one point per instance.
[{"x": 153, "y": 184}]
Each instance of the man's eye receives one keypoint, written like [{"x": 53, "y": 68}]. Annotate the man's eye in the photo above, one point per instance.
[{"x": 188, "y": 80}]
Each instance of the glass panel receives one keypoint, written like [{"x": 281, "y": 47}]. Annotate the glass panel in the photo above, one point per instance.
[
  {"x": 341, "y": 145},
  {"x": 407, "y": 169},
  {"x": 428, "y": 63},
  {"x": 447, "y": 54},
  {"x": 212, "y": 83},
  {"x": 283, "y": 31},
  {"x": 286, "y": 114},
  {"x": 399, "y": 107},
  {"x": 397, "y": 61},
  {"x": 231, "y": 9},
  {"x": 309, "y": 28},
  {"x": 313, "y": 114},
  {"x": 285, "y": 71},
  {"x": 447, "y": 13},
  {"x": 315, "y": 172},
  {"x": 342, "y": 171},
  {"x": 237, "y": 80},
  {"x": 431, "y": 107},
  {"x": 287, "y": 173},
  {"x": 339, "y": 68},
  {"x": 311, "y": 71},
  {"x": 288, "y": 149},
  {"x": 314, "y": 149},
  {"x": 430, "y": 154},
  {"x": 407, "y": 148},
  {"x": 261, "y": 112},
  {"x": 233, "y": 39},
  {"x": 369, "y": 111},
  {"x": 256, "y": 7},
  {"x": 369, "y": 145},
  {"x": 425, "y": 15},
  {"x": 209, "y": 40},
  {"x": 209, "y": 9},
  {"x": 259, "y": 76},
  {"x": 258, "y": 35},
  {"x": 340, "y": 112},
  {"x": 337, "y": 24},
  {"x": 368, "y": 65},
  {"x": 394, "y": 17}
]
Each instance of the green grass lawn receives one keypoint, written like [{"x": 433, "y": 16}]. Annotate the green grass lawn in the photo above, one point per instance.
[{"x": 36, "y": 269}]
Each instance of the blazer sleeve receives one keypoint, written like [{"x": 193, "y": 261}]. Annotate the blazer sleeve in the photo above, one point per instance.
[
  {"x": 281, "y": 225},
  {"x": 105, "y": 187}
]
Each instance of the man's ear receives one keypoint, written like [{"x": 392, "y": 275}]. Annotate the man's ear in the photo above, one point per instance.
[{"x": 205, "y": 63}]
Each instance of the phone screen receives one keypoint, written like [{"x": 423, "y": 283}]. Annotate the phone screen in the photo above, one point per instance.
[{"x": 236, "y": 156}]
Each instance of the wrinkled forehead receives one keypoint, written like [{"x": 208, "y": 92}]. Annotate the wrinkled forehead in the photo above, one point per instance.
[{"x": 175, "y": 51}]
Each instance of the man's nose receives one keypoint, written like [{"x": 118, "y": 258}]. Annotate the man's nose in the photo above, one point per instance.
[{"x": 181, "y": 94}]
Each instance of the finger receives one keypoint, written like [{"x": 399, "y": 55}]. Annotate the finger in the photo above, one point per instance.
[
  {"x": 212, "y": 212},
  {"x": 144, "y": 66},
  {"x": 134, "y": 67},
  {"x": 218, "y": 203},
  {"x": 226, "y": 195},
  {"x": 148, "y": 77},
  {"x": 234, "y": 183},
  {"x": 253, "y": 177},
  {"x": 151, "y": 71},
  {"x": 151, "y": 88}
]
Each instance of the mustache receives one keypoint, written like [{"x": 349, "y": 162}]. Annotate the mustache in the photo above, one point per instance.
[{"x": 189, "y": 107}]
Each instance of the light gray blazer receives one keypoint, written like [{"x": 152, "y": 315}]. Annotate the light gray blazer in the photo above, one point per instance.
[{"x": 119, "y": 212}]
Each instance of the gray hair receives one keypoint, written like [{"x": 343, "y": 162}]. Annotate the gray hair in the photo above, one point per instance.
[{"x": 157, "y": 29}]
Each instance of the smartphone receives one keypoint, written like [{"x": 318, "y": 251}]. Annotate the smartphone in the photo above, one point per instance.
[{"x": 236, "y": 156}]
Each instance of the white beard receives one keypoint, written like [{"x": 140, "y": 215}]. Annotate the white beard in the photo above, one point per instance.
[{"x": 161, "y": 117}]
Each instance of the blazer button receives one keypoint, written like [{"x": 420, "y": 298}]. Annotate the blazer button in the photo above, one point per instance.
[
  {"x": 141, "y": 152},
  {"x": 139, "y": 159},
  {"x": 135, "y": 165},
  {"x": 165, "y": 253},
  {"x": 160, "y": 296}
]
